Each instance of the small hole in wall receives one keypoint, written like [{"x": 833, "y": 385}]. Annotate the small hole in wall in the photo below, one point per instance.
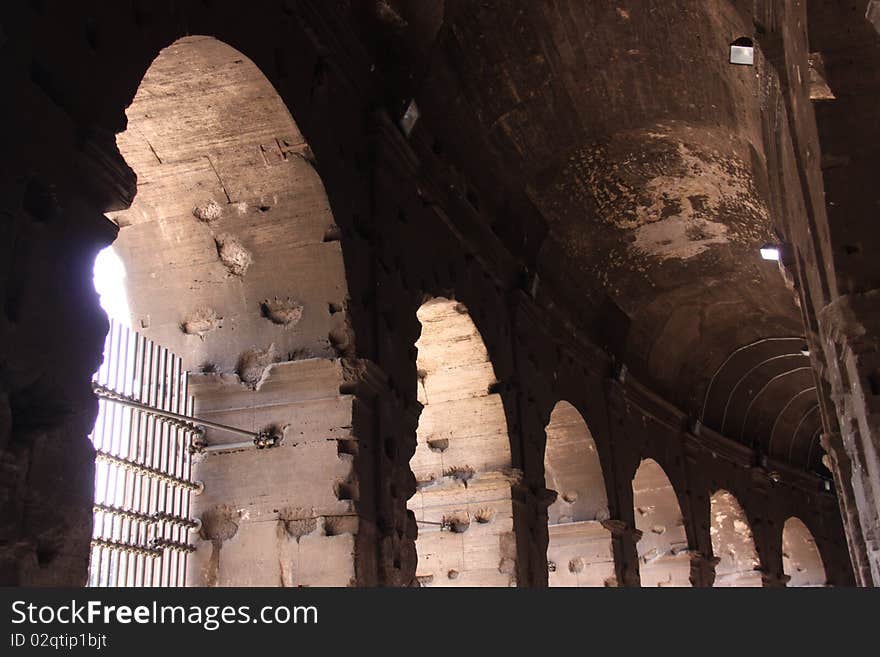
[
  {"x": 344, "y": 491},
  {"x": 437, "y": 147},
  {"x": 852, "y": 249},
  {"x": 347, "y": 447},
  {"x": 46, "y": 555}
]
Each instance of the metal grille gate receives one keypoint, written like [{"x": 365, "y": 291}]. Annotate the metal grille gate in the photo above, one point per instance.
[{"x": 143, "y": 466}]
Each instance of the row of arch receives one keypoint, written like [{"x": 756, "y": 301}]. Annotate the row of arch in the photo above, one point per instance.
[
  {"x": 462, "y": 462},
  {"x": 463, "y": 503}
]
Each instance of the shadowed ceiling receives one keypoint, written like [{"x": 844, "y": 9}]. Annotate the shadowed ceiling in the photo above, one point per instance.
[{"x": 645, "y": 154}]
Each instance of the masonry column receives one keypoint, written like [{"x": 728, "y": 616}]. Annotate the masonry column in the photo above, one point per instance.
[{"x": 849, "y": 327}]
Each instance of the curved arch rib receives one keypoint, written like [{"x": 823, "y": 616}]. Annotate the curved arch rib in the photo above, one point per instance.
[
  {"x": 734, "y": 353},
  {"x": 761, "y": 392},
  {"x": 745, "y": 376},
  {"x": 781, "y": 412}
]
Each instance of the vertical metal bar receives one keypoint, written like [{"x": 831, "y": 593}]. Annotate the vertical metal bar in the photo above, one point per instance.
[
  {"x": 174, "y": 434},
  {"x": 167, "y": 489},
  {"x": 124, "y": 447},
  {"x": 117, "y": 483},
  {"x": 143, "y": 448},
  {"x": 183, "y": 532},
  {"x": 117, "y": 368},
  {"x": 125, "y": 450},
  {"x": 137, "y": 497},
  {"x": 102, "y": 471},
  {"x": 187, "y": 469},
  {"x": 141, "y": 369},
  {"x": 146, "y": 448},
  {"x": 140, "y": 449},
  {"x": 156, "y": 455},
  {"x": 162, "y": 487}
]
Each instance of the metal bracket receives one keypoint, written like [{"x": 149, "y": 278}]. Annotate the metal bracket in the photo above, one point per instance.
[{"x": 265, "y": 438}]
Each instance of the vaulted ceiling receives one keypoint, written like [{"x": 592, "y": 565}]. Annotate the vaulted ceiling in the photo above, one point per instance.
[{"x": 644, "y": 155}]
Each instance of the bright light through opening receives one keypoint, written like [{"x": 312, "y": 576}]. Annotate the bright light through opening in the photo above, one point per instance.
[
  {"x": 109, "y": 279},
  {"x": 770, "y": 252}
]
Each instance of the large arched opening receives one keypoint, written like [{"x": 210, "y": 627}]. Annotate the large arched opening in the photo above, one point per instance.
[
  {"x": 462, "y": 459},
  {"x": 233, "y": 262},
  {"x": 801, "y": 560},
  {"x": 663, "y": 545},
  {"x": 732, "y": 543},
  {"x": 579, "y": 552}
]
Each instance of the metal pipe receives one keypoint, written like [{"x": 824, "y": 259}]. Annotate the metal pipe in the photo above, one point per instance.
[
  {"x": 220, "y": 447},
  {"x": 109, "y": 395}
]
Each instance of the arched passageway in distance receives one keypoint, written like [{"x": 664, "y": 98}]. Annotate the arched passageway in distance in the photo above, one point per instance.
[
  {"x": 732, "y": 543},
  {"x": 663, "y": 547},
  {"x": 801, "y": 560},
  {"x": 233, "y": 263},
  {"x": 579, "y": 552},
  {"x": 462, "y": 459}
]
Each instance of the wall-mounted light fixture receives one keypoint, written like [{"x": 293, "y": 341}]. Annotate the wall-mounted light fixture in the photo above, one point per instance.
[
  {"x": 742, "y": 51},
  {"x": 409, "y": 118},
  {"x": 771, "y": 251}
]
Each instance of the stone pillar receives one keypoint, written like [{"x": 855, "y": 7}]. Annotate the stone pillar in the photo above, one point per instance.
[
  {"x": 703, "y": 569},
  {"x": 774, "y": 580},
  {"x": 51, "y": 337},
  {"x": 288, "y": 515},
  {"x": 624, "y": 538},
  {"x": 849, "y": 329},
  {"x": 838, "y": 462}
]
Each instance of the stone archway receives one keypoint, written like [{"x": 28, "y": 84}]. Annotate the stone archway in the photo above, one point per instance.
[
  {"x": 580, "y": 550},
  {"x": 234, "y": 262},
  {"x": 462, "y": 459},
  {"x": 663, "y": 546},
  {"x": 801, "y": 560},
  {"x": 732, "y": 543}
]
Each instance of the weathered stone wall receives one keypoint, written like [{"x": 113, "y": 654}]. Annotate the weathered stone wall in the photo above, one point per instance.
[
  {"x": 579, "y": 552},
  {"x": 662, "y": 543},
  {"x": 462, "y": 457},
  {"x": 233, "y": 261},
  {"x": 412, "y": 222},
  {"x": 292, "y": 507},
  {"x": 801, "y": 559},
  {"x": 732, "y": 544}
]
